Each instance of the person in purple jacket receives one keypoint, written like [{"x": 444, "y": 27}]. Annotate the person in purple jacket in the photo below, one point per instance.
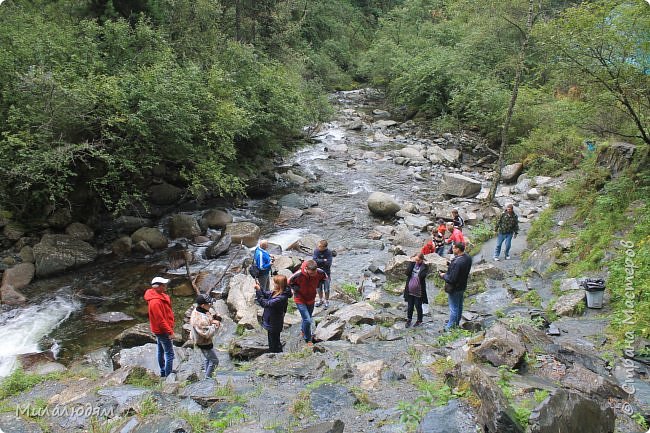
[{"x": 275, "y": 307}]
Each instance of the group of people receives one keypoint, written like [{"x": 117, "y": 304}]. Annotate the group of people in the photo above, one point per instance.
[{"x": 312, "y": 280}]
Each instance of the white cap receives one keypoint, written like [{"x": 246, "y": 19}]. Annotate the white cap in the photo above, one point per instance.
[{"x": 159, "y": 280}]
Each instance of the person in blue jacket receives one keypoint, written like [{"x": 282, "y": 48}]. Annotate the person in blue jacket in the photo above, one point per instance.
[
  {"x": 262, "y": 260},
  {"x": 323, "y": 258},
  {"x": 275, "y": 307}
]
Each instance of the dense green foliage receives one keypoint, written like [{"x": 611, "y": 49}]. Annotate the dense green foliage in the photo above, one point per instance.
[
  {"x": 94, "y": 95},
  {"x": 585, "y": 76}
]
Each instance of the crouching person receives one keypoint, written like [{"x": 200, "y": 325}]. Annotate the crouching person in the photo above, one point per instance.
[
  {"x": 204, "y": 327},
  {"x": 275, "y": 307}
]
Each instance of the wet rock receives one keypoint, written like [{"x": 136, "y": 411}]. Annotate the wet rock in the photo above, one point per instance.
[
  {"x": 142, "y": 247},
  {"x": 137, "y": 335},
  {"x": 80, "y": 231},
  {"x": 568, "y": 305},
  {"x": 183, "y": 226},
  {"x": 411, "y": 153},
  {"x": 151, "y": 236},
  {"x": 382, "y": 204},
  {"x": 216, "y": 218},
  {"x": 164, "y": 194},
  {"x": 291, "y": 177},
  {"x": 122, "y": 246},
  {"x": 358, "y": 313},
  {"x": 330, "y": 328},
  {"x": 288, "y": 214},
  {"x": 18, "y": 277},
  {"x": 566, "y": 411},
  {"x": 326, "y": 427},
  {"x": 381, "y": 124},
  {"x": 113, "y": 317},
  {"x": 510, "y": 173},
  {"x": 129, "y": 224},
  {"x": 215, "y": 249},
  {"x": 57, "y": 253},
  {"x": 328, "y": 400},
  {"x": 355, "y": 125},
  {"x": 306, "y": 244},
  {"x": 495, "y": 415},
  {"x": 458, "y": 185},
  {"x": 381, "y": 114},
  {"x": 60, "y": 218},
  {"x": 450, "y": 418},
  {"x": 501, "y": 347},
  {"x": 244, "y": 232}
]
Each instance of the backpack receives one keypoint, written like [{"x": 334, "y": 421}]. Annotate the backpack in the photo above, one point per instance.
[{"x": 254, "y": 271}]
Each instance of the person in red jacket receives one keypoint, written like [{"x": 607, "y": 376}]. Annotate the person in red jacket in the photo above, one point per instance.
[
  {"x": 456, "y": 236},
  {"x": 304, "y": 285},
  {"x": 161, "y": 321}
]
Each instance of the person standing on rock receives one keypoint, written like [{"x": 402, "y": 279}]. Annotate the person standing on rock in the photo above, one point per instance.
[
  {"x": 456, "y": 283},
  {"x": 304, "y": 284},
  {"x": 275, "y": 307},
  {"x": 204, "y": 327},
  {"x": 506, "y": 228},
  {"x": 161, "y": 321},
  {"x": 415, "y": 289},
  {"x": 323, "y": 258},
  {"x": 262, "y": 260}
]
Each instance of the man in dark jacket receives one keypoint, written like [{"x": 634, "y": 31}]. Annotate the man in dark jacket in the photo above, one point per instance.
[
  {"x": 323, "y": 258},
  {"x": 507, "y": 227},
  {"x": 161, "y": 321},
  {"x": 456, "y": 279}
]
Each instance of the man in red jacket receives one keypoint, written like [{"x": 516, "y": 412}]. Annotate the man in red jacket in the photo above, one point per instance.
[
  {"x": 304, "y": 284},
  {"x": 161, "y": 321}
]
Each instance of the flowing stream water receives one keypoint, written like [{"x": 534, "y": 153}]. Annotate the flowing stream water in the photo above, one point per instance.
[{"x": 339, "y": 193}]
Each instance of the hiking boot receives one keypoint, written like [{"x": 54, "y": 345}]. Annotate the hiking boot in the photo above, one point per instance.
[
  {"x": 408, "y": 324},
  {"x": 318, "y": 304},
  {"x": 418, "y": 323},
  {"x": 496, "y": 259}
]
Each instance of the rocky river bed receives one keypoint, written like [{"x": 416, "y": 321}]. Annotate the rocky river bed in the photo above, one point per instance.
[{"x": 509, "y": 370}]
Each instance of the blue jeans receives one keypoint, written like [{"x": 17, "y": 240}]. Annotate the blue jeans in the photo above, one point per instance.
[
  {"x": 211, "y": 361},
  {"x": 500, "y": 238},
  {"x": 165, "y": 354},
  {"x": 306, "y": 312},
  {"x": 455, "y": 308}
]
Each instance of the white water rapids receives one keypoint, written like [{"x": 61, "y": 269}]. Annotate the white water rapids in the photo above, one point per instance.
[{"x": 22, "y": 328}]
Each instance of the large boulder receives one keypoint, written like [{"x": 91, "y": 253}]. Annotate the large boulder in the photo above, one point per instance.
[
  {"x": 217, "y": 248},
  {"x": 216, "y": 218},
  {"x": 129, "y": 224},
  {"x": 57, "y": 253},
  {"x": 397, "y": 265},
  {"x": 80, "y": 231},
  {"x": 297, "y": 201},
  {"x": 13, "y": 231},
  {"x": 330, "y": 328},
  {"x": 241, "y": 296},
  {"x": 568, "y": 305},
  {"x": 450, "y": 418},
  {"x": 60, "y": 218},
  {"x": 19, "y": 276},
  {"x": 183, "y": 226},
  {"x": 151, "y": 236},
  {"x": 458, "y": 185},
  {"x": 501, "y": 347},
  {"x": 495, "y": 414},
  {"x": 249, "y": 347},
  {"x": 137, "y": 335},
  {"x": 358, "y": 313},
  {"x": 122, "y": 246},
  {"x": 382, "y": 204},
  {"x": 566, "y": 411},
  {"x": 616, "y": 157},
  {"x": 164, "y": 194},
  {"x": 411, "y": 153},
  {"x": 510, "y": 173},
  {"x": 244, "y": 232}
]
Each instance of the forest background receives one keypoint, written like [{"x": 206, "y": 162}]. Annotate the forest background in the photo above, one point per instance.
[{"x": 95, "y": 94}]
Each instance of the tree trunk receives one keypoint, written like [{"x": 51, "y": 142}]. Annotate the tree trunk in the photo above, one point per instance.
[
  {"x": 498, "y": 167},
  {"x": 238, "y": 20}
]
